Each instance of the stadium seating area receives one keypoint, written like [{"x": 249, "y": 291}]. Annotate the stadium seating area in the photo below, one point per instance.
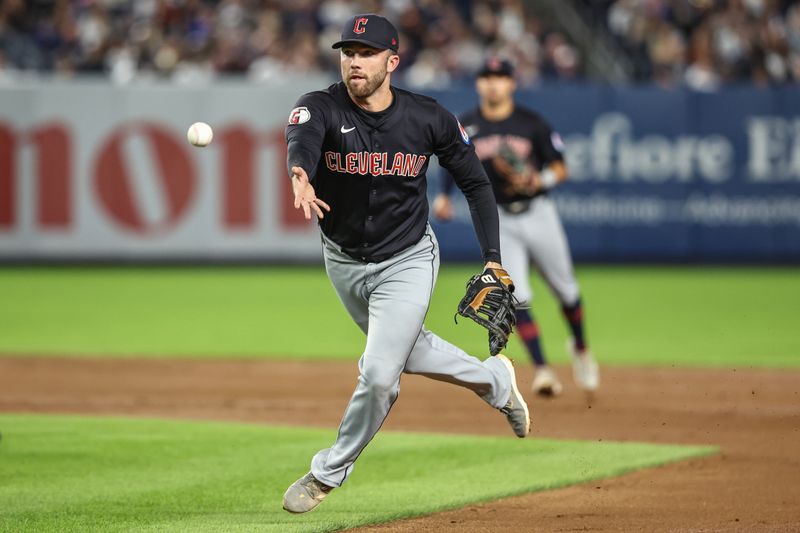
[
  {"x": 700, "y": 43},
  {"x": 705, "y": 43}
]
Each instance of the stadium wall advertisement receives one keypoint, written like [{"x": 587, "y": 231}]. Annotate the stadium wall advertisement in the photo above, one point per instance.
[{"x": 92, "y": 171}]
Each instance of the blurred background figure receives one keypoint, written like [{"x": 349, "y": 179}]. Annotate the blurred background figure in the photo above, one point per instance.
[{"x": 523, "y": 158}]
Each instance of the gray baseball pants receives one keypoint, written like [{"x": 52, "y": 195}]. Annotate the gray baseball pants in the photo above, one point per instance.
[
  {"x": 388, "y": 301},
  {"x": 537, "y": 235}
]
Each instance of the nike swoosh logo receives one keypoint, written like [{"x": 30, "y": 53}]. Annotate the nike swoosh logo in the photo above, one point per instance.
[{"x": 345, "y": 130}]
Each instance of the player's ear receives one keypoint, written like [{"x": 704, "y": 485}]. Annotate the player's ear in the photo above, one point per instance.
[{"x": 391, "y": 62}]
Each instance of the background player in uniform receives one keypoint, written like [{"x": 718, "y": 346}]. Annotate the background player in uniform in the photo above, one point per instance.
[
  {"x": 357, "y": 154},
  {"x": 522, "y": 157}
]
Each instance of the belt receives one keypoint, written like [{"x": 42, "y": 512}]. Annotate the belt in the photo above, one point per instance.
[
  {"x": 371, "y": 258},
  {"x": 521, "y": 206},
  {"x": 518, "y": 207},
  {"x": 368, "y": 258}
]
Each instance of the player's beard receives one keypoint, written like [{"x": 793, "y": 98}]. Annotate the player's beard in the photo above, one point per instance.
[
  {"x": 369, "y": 86},
  {"x": 496, "y": 98}
]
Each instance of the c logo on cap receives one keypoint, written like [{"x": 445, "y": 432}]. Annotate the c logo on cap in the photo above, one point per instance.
[{"x": 359, "y": 26}]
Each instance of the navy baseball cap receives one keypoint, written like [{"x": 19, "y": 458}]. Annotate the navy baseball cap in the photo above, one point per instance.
[
  {"x": 495, "y": 66},
  {"x": 370, "y": 29}
]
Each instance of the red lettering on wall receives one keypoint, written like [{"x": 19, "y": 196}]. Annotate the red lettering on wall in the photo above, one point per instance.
[
  {"x": 53, "y": 185},
  {"x": 54, "y": 164},
  {"x": 239, "y": 150},
  {"x": 113, "y": 184},
  {"x": 290, "y": 218},
  {"x": 113, "y": 177},
  {"x": 8, "y": 172}
]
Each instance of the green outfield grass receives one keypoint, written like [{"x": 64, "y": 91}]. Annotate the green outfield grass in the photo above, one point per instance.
[
  {"x": 635, "y": 316},
  {"x": 114, "y": 474}
]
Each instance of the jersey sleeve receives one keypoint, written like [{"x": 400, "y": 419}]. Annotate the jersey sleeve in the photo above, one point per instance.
[
  {"x": 457, "y": 156},
  {"x": 446, "y": 183},
  {"x": 547, "y": 144},
  {"x": 305, "y": 133}
]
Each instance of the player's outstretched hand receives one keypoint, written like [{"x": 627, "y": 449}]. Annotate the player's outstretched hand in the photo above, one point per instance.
[
  {"x": 443, "y": 207},
  {"x": 304, "y": 195}
]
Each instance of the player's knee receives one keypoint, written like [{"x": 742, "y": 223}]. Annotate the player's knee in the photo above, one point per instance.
[
  {"x": 382, "y": 388},
  {"x": 570, "y": 296},
  {"x": 380, "y": 382}
]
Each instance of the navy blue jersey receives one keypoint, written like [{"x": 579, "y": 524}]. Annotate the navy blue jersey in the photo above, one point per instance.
[
  {"x": 524, "y": 135},
  {"x": 370, "y": 168}
]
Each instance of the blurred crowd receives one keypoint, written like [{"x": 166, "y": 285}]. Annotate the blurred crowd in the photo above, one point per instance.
[
  {"x": 699, "y": 43},
  {"x": 705, "y": 43},
  {"x": 186, "y": 40}
]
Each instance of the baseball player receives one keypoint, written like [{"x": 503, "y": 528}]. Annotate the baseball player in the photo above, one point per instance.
[
  {"x": 357, "y": 156},
  {"x": 523, "y": 158}
]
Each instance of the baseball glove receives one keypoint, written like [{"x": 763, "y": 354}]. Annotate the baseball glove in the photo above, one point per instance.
[
  {"x": 515, "y": 170},
  {"x": 490, "y": 302}
]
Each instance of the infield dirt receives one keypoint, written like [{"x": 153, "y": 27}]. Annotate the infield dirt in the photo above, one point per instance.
[{"x": 753, "y": 415}]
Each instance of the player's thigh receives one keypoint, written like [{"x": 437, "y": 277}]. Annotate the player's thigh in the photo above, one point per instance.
[
  {"x": 399, "y": 298},
  {"x": 516, "y": 258},
  {"x": 347, "y": 277},
  {"x": 551, "y": 254}
]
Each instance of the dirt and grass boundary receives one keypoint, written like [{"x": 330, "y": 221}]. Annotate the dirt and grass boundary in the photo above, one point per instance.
[{"x": 753, "y": 415}]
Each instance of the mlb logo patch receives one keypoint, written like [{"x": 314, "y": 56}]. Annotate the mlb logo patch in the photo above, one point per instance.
[
  {"x": 299, "y": 115},
  {"x": 558, "y": 143},
  {"x": 464, "y": 135}
]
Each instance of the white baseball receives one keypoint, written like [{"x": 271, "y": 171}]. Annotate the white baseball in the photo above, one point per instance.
[{"x": 200, "y": 134}]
